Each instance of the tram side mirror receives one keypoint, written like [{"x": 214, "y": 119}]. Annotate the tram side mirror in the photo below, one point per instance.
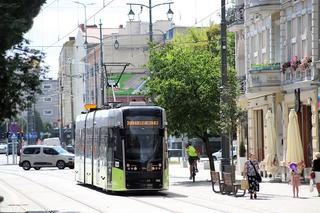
[
  {"x": 161, "y": 132},
  {"x": 122, "y": 132}
]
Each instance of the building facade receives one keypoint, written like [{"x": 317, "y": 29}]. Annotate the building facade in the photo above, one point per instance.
[
  {"x": 47, "y": 104},
  {"x": 277, "y": 54},
  {"x": 125, "y": 45}
]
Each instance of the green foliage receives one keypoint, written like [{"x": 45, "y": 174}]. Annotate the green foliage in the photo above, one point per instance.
[
  {"x": 242, "y": 149},
  {"x": 47, "y": 127},
  {"x": 20, "y": 66},
  {"x": 185, "y": 80}
]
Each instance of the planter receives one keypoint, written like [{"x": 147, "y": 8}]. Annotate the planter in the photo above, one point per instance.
[{"x": 240, "y": 164}]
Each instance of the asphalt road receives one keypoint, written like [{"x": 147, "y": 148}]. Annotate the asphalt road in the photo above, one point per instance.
[{"x": 53, "y": 190}]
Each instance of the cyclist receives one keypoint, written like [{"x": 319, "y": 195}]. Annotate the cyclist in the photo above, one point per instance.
[{"x": 193, "y": 157}]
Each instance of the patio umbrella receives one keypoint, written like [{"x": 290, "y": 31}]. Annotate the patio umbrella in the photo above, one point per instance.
[
  {"x": 294, "y": 145},
  {"x": 271, "y": 157}
]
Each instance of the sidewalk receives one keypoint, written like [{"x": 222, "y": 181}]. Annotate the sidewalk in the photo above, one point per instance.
[{"x": 273, "y": 197}]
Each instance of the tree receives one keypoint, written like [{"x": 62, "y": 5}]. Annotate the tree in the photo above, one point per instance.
[
  {"x": 20, "y": 66},
  {"x": 185, "y": 80}
]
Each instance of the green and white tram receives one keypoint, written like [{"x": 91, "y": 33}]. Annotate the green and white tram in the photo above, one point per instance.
[{"x": 122, "y": 149}]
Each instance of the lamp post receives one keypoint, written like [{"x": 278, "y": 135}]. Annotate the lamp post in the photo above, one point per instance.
[
  {"x": 225, "y": 161},
  {"x": 150, "y": 7},
  {"x": 85, "y": 18}
]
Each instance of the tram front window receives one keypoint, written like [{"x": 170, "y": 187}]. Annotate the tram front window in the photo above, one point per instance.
[{"x": 143, "y": 147}]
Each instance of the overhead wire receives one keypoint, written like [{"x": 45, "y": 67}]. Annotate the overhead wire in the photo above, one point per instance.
[{"x": 103, "y": 7}]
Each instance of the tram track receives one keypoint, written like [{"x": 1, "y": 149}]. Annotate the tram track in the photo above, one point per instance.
[
  {"x": 26, "y": 197},
  {"x": 48, "y": 188},
  {"x": 169, "y": 195}
]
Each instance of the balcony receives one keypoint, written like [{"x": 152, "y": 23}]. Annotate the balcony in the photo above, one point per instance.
[
  {"x": 262, "y": 5},
  {"x": 296, "y": 76},
  {"x": 235, "y": 18},
  {"x": 264, "y": 78}
]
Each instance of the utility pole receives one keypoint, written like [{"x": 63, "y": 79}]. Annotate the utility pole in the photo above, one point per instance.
[
  {"x": 72, "y": 109},
  {"x": 61, "y": 111},
  {"x": 150, "y": 7},
  {"x": 150, "y": 23},
  {"x": 225, "y": 161},
  {"x": 102, "y": 68}
]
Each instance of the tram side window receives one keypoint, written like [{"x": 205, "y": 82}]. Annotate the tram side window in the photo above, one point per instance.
[{"x": 117, "y": 144}]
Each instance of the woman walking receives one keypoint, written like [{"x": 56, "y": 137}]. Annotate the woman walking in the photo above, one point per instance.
[
  {"x": 251, "y": 169},
  {"x": 316, "y": 169}
]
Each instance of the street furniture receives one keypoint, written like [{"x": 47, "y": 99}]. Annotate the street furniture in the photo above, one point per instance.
[
  {"x": 232, "y": 187},
  {"x": 216, "y": 182}
]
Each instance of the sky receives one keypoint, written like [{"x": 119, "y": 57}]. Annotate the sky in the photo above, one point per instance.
[{"x": 59, "y": 20}]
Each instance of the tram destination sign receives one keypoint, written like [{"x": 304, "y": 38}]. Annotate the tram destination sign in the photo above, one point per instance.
[{"x": 143, "y": 123}]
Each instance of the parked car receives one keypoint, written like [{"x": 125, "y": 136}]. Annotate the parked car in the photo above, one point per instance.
[
  {"x": 70, "y": 149},
  {"x": 16, "y": 148},
  {"x": 3, "y": 148},
  {"x": 51, "y": 142},
  {"x": 218, "y": 155},
  {"x": 38, "y": 156}
]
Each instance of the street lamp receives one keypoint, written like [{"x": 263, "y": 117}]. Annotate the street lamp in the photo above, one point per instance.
[
  {"x": 150, "y": 7},
  {"x": 85, "y": 18},
  {"x": 170, "y": 13}
]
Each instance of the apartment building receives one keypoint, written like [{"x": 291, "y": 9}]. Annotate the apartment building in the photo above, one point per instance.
[
  {"x": 126, "y": 45},
  {"x": 277, "y": 54}
]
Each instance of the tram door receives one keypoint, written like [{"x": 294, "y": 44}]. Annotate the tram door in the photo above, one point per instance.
[{"x": 109, "y": 158}]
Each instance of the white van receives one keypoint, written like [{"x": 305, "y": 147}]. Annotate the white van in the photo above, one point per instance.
[
  {"x": 37, "y": 156},
  {"x": 233, "y": 153},
  {"x": 51, "y": 142}
]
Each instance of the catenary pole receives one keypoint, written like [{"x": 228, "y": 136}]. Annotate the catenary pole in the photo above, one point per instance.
[{"x": 224, "y": 81}]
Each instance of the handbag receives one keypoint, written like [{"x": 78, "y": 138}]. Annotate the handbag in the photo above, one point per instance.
[
  {"x": 258, "y": 177},
  {"x": 312, "y": 175},
  {"x": 244, "y": 184}
]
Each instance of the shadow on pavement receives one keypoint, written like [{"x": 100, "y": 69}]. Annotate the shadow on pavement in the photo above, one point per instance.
[
  {"x": 189, "y": 183},
  {"x": 133, "y": 193}
]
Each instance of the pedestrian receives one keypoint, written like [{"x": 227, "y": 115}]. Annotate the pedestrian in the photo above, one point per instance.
[
  {"x": 251, "y": 171},
  {"x": 1, "y": 198},
  {"x": 295, "y": 179},
  {"x": 316, "y": 170}
]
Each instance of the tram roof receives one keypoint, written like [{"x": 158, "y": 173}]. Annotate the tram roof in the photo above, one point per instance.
[{"x": 107, "y": 117}]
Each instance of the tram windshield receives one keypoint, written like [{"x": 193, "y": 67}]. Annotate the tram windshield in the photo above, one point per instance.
[{"x": 143, "y": 142}]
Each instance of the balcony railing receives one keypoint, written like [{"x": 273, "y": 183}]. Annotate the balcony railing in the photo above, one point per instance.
[
  {"x": 298, "y": 75},
  {"x": 255, "y": 3},
  {"x": 235, "y": 15},
  {"x": 262, "y": 79}
]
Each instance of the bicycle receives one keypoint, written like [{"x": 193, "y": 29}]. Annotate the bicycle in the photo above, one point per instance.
[{"x": 193, "y": 174}]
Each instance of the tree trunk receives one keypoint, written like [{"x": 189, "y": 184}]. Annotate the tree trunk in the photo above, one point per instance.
[{"x": 208, "y": 150}]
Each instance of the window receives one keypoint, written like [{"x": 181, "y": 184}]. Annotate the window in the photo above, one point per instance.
[
  {"x": 91, "y": 71},
  {"x": 31, "y": 151},
  {"x": 46, "y": 86},
  {"x": 47, "y": 99},
  {"x": 50, "y": 151},
  {"x": 288, "y": 36},
  {"x": 47, "y": 112}
]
